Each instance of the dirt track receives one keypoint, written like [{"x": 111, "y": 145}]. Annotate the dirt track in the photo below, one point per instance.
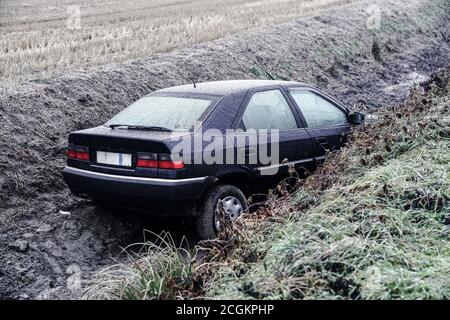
[{"x": 43, "y": 250}]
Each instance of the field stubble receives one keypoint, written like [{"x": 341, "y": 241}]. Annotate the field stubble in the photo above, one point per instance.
[{"x": 44, "y": 39}]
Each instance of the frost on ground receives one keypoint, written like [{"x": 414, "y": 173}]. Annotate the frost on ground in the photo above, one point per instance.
[{"x": 42, "y": 250}]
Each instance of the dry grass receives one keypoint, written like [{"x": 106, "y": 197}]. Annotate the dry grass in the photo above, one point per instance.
[{"x": 36, "y": 42}]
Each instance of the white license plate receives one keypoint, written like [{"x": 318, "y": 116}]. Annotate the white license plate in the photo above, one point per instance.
[{"x": 114, "y": 159}]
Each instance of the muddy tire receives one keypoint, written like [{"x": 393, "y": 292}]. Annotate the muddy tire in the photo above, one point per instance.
[{"x": 206, "y": 222}]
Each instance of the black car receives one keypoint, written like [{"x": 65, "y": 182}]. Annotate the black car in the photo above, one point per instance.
[{"x": 200, "y": 148}]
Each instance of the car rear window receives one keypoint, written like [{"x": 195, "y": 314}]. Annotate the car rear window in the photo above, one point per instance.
[{"x": 175, "y": 113}]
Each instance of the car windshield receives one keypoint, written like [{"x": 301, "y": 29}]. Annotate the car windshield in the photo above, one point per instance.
[{"x": 174, "y": 113}]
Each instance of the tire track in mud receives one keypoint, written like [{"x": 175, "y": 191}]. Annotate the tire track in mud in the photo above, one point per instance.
[{"x": 45, "y": 252}]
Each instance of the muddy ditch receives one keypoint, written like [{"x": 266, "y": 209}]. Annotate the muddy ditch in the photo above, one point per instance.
[{"x": 50, "y": 241}]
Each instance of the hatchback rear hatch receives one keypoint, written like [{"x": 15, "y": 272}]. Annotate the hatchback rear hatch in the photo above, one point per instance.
[
  {"x": 122, "y": 152},
  {"x": 135, "y": 141}
]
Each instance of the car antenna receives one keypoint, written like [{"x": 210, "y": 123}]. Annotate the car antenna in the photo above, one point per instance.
[
  {"x": 195, "y": 85},
  {"x": 265, "y": 71},
  {"x": 270, "y": 76}
]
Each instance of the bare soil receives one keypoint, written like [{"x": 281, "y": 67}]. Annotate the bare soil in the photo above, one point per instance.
[{"x": 43, "y": 249}]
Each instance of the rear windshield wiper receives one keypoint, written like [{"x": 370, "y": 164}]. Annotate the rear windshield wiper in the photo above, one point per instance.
[{"x": 143, "y": 128}]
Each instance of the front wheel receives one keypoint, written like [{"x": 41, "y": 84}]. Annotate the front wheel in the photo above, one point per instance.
[{"x": 234, "y": 204}]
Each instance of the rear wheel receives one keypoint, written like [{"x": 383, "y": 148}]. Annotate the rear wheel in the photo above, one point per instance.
[{"x": 234, "y": 204}]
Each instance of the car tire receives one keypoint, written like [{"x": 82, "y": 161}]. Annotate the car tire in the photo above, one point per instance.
[{"x": 205, "y": 222}]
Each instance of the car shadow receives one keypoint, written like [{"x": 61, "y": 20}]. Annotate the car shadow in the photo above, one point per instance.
[{"x": 147, "y": 228}]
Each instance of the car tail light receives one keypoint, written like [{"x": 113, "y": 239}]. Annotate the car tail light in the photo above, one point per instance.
[
  {"x": 147, "y": 160},
  {"x": 161, "y": 161},
  {"x": 165, "y": 162},
  {"x": 168, "y": 164},
  {"x": 147, "y": 163},
  {"x": 78, "y": 152}
]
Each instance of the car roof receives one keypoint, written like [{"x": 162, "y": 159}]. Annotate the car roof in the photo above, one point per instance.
[{"x": 226, "y": 87}]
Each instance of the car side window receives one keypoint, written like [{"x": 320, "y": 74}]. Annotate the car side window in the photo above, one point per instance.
[
  {"x": 317, "y": 111},
  {"x": 268, "y": 110}
]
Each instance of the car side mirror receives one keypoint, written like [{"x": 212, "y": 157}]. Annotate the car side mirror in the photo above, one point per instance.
[{"x": 356, "y": 117}]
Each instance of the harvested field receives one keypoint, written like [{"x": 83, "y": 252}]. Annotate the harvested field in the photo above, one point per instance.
[
  {"x": 45, "y": 38},
  {"x": 42, "y": 248}
]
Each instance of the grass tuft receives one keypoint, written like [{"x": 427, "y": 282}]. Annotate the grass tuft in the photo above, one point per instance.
[{"x": 157, "y": 270}]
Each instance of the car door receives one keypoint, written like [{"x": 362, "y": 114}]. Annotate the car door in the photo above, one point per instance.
[
  {"x": 327, "y": 121},
  {"x": 269, "y": 109}
]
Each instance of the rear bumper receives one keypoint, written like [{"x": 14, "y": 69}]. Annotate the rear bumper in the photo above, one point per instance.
[{"x": 90, "y": 183}]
